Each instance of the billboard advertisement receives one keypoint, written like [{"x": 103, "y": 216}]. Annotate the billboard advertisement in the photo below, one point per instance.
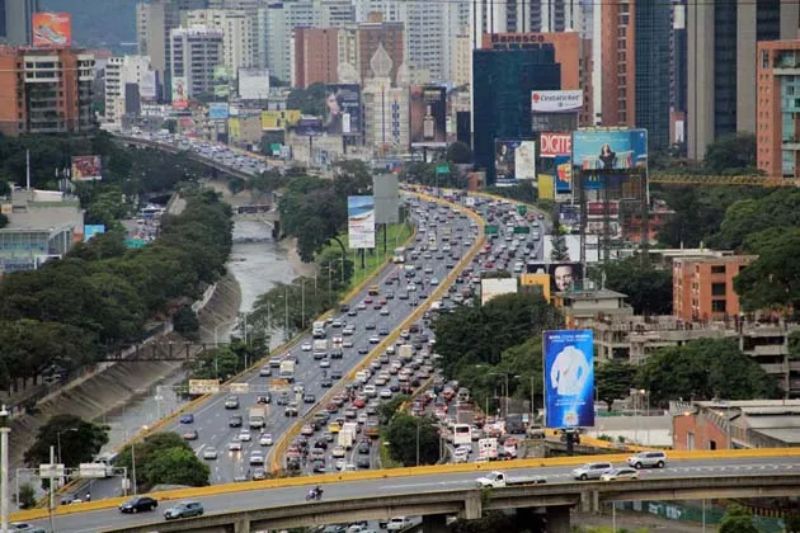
[
  {"x": 556, "y": 101},
  {"x": 563, "y": 173},
  {"x": 569, "y": 378},
  {"x": 218, "y": 111},
  {"x": 609, "y": 149},
  {"x": 90, "y": 230},
  {"x": 86, "y": 168},
  {"x": 525, "y": 161},
  {"x": 343, "y": 110},
  {"x": 52, "y": 30},
  {"x": 493, "y": 287},
  {"x": 563, "y": 276},
  {"x": 387, "y": 198},
  {"x": 253, "y": 83},
  {"x": 361, "y": 222},
  {"x": 555, "y": 144},
  {"x": 180, "y": 94},
  {"x": 428, "y": 115},
  {"x": 148, "y": 86},
  {"x": 308, "y": 127}
]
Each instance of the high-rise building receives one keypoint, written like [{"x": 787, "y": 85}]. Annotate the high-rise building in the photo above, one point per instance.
[
  {"x": 277, "y": 22},
  {"x": 45, "y": 91},
  {"x": 16, "y": 21},
  {"x": 386, "y": 120},
  {"x": 120, "y": 73},
  {"x": 425, "y": 25},
  {"x": 316, "y": 56},
  {"x": 333, "y": 13},
  {"x": 722, "y": 37},
  {"x": 635, "y": 56},
  {"x": 702, "y": 287},
  {"x": 374, "y": 34},
  {"x": 502, "y": 81},
  {"x": 237, "y": 31},
  {"x": 196, "y": 52},
  {"x": 678, "y": 75},
  {"x": 778, "y": 108}
]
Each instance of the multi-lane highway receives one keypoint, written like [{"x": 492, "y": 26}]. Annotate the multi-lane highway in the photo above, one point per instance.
[{"x": 261, "y": 498}]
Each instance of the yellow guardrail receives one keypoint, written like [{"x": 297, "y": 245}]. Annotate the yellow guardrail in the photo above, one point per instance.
[
  {"x": 280, "y": 447},
  {"x": 367, "y": 475}
]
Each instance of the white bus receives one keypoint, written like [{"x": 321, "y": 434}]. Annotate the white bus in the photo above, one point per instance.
[
  {"x": 399, "y": 255},
  {"x": 461, "y": 434}
]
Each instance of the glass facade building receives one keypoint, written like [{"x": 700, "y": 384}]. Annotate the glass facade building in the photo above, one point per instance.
[{"x": 652, "y": 36}]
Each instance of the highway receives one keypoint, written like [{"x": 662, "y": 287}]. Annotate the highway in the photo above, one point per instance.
[{"x": 725, "y": 465}]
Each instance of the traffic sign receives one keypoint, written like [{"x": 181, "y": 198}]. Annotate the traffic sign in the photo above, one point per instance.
[
  {"x": 522, "y": 229},
  {"x": 51, "y": 471},
  {"x": 491, "y": 229},
  {"x": 443, "y": 169},
  {"x": 203, "y": 386},
  {"x": 240, "y": 388},
  {"x": 93, "y": 470}
]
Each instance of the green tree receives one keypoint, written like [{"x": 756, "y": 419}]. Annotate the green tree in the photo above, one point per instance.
[
  {"x": 649, "y": 290},
  {"x": 3, "y": 221},
  {"x": 613, "y": 380},
  {"x": 80, "y": 441},
  {"x": 737, "y": 519},
  {"x": 704, "y": 369},
  {"x": 185, "y": 322},
  {"x": 404, "y": 432},
  {"x": 778, "y": 210},
  {"x": 27, "y": 496},
  {"x": 152, "y": 468},
  {"x": 459, "y": 153},
  {"x": 310, "y": 101},
  {"x": 732, "y": 153},
  {"x": 772, "y": 280},
  {"x": 387, "y": 409}
]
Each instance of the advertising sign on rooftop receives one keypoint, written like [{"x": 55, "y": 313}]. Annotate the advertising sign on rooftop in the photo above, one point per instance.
[
  {"x": 609, "y": 149},
  {"x": 555, "y": 144},
  {"x": 556, "y": 101},
  {"x": 52, "y": 30},
  {"x": 343, "y": 109}
]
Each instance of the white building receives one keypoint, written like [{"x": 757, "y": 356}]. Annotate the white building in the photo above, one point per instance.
[
  {"x": 276, "y": 23},
  {"x": 119, "y": 72},
  {"x": 333, "y": 13},
  {"x": 194, "y": 54},
  {"x": 238, "y": 46},
  {"x": 385, "y": 107}
]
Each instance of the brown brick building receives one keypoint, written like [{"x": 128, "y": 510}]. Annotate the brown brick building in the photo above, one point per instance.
[{"x": 316, "y": 56}]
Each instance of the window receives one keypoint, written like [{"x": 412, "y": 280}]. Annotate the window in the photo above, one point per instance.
[
  {"x": 718, "y": 289},
  {"x": 718, "y": 306},
  {"x": 718, "y": 269}
]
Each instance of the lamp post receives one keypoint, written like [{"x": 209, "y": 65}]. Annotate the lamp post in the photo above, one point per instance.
[
  {"x": 505, "y": 374},
  {"x": 644, "y": 394},
  {"x": 5, "y": 429},
  {"x": 133, "y": 463}
]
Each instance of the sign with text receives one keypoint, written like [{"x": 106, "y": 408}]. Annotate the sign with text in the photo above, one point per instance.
[
  {"x": 240, "y": 388},
  {"x": 203, "y": 386},
  {"x": 361, "y": 222},
  {"x": 556, "y": 101},
  {"x": 569, "y": 378},
  {"x": 555, "y": 144}
]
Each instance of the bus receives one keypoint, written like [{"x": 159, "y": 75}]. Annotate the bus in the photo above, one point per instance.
[
  {"x": 399, "y": 256},
  {"x": 461, "y": 434}
]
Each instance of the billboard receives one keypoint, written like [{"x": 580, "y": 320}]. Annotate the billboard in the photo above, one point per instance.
[
  {"x": 387, "y": 198},
  {"x": 609, "y": 149},
  {"x": 525, "y": 161},
  {"x": 180, "y": 94},
  {"x": 555, "y": 144},
  {"x": 556, "y": 101},
  {"x": 343, "y": 109},
  {"x": 253, "y": 83},
  {"x": 493, "y": 287},
  {"x": 506, "y": 171},
  {"x": 308, "y": 127},
  {"x": 569, "y": 378},
  {"x": 540, "y": 281},
  {"x": 86, "y": 168},
  {"x": 563, "y": 173},
  {"x": 361, "y": 222},
  {"x": 52, "y": 30},
  {"x": 90, "y": 230},
  {"x": 563, "y": 276},
  {"x": 428, "y": 115},
  {"x": 218, "y": 111}
]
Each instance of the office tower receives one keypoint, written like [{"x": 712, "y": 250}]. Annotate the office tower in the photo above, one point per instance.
[
  {"x": 722, "y": 37},
  {"x": 316, "y": 56},
  {"x": 278, "y": 21},
  {"x": 45, "y": 90},
  {"x": 16, "y": 21},
  {"x": 120, "y": 72},
  {"x": 237, "y": 30},
  {"x": 195, "y": 54},
  {"x": 678, "y": 75},
  {"x": 333, "y": 13},
  {"x": 425, "y": 39},
  {"x": 503, "y": 80}
]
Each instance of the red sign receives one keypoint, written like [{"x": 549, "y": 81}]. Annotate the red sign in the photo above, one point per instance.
[{"x": 555, "y": 144}]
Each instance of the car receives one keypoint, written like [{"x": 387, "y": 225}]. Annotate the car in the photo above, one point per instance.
[
  {"x": 591, "y": 471},
  {"x": 326, "y": 383},
  {"x": 210, "y": 453},
  {"x": 265, "y": 371},
  {"x": 370, "y": 325},
  {"x": 259, "y": 473},
  {"x": 325, "y": 363},
  {"x": 306, "y": 347},
  {"x": 190, "y": 435},
  {"x": 363, "y": 350},
  {"x": 383, "y": 331},
  {"x": 264, "y": 398},
  {"x": 235, "y": 421},
  {"x": 347, "y": 343},
  {"x": 338, "y": 452},
  {"x": 232, "y": 402},
  {"x": 363, "y": 448},
  {"x": 619, "y": 474},
  {"x": 245, "y": 436},
  {"x": 234, "y": 446},
  {"x": 184, "y": 510},
  {"x": 309, "y": 398},
  {"x": 654, "y": 459},
  {"x": 386, "y": 393},
  {"x": 363, "y": 462},
  {"x": 187, "y": 418},
  {"x": 336, "y": 374},
  {"x": 384, "y": 311},
  {"x": 352, "y": 312},
  {"x": 265, "y": 440},
  {"x": 256, "y": 457},
  {"x": 398, "y": 523},
  {"x": 307, "y": 430},
  {"x": 134, "y": 505},
  {"x": 374, "y": 339}
]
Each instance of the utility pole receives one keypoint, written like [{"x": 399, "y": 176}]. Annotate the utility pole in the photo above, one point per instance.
[{"x": 5, "y": 429}]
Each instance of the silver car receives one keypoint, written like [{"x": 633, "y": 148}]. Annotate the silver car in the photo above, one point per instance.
[
  {"x": 592, "y": 471},
  {"x": 656, "y": 459}
]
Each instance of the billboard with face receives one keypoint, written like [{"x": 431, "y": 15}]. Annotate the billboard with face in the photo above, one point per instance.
[
  {"x": 609, "y": 149},
  {"x": 563, "y": 276},
  {"x": 569, "y": 378},
  {"x": 428, "y": 115},
  {"x": 180, "y": 96},
  {"x": 52, "y": 30},
  {"x": 361, "y": 222},
  {"x": 343, "y": 110}
]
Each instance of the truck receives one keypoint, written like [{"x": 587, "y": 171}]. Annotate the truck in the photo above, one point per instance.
[
  {"x": 515, "y": 424},
  {"x": 497, "y": 480},
  {"x": 318, "y": 329},
  {"x": 406, "y": 352},
  {"x": 257, "y": 417},
  {"x": 487, "y": 449},
  {"x": 347, "y": 435},
  {"x": 320, "y": 348},
  {"x": 287, "y": 370}
]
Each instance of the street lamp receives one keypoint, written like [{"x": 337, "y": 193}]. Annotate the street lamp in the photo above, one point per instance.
[
  {"x": 133, "y": 462},
  {"x": 5, "y": 429},
  {"x": 533, "y": 414},
  {"x": 506, "y": 374}
]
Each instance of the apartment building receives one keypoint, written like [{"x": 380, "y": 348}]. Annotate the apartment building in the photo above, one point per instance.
[
  {"x": 195, "y": 53},
  {"x": 702, "y": 287},
  {"x": 121, "y": 71},
  {"x": 238, "y": 46}
]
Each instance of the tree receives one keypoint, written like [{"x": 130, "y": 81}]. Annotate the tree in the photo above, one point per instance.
[
  {"x": 387, "y": 409},
  {"x": 459, "y": 153},
  {"x": 80, "y": 441},
  {"x": 731, "y": 153},
  {"x": 3, "y": 221},
  {"x": 402, "y": 433},
  {"x": 772, "y": 280},
  {"x": 704, "y": 369},
  {"x": 310, "y": 101},
  {"x": 27, "y": 496},
  {"x": 185, "y": 322},
  {"x": 613, "y": 380},
  {"x": 778, "y": 210},
  {"x": 737, "y": 519},
  {"x": 649, "y": 290},
  {"x": 164, "y": 458}
]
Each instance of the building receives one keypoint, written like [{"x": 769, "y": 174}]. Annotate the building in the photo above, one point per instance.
[
  {"x": 678, "y": 97},
  {"x": 702, "y": 287},
  {"x": 316, "y": 56},
  {"x": 277, "y": 22},
  {"x": 41, "y": 225},
  {"x": 722, "y": 37},
  {"x": 333, "y": 13},
  {"x": 778, "y": 110},
  {"x": 425, "y": 40},
  {"x": 386, "y": 112},
  {"x": 502, "y": 81},
  {"x": 768, "y": 344},
  {"x": 122, "y": 71},
  {"x": 379, "y": 34},
  {"x": 45, "y": 91},
  {"x": 719, "y": 425},
  {"x": 16, "y": 21},
  {"x": 195, "y": 54},
  {"x": 581, "y": 308},
  {"x": 635, "y": 73},
  {"x": 238, "y": 46}
]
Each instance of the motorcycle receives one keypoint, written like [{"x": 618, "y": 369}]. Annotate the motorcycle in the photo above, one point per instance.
[{"x": 314, "y": 494}]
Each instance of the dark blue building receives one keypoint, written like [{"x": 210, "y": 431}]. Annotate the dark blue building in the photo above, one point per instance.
[{"x": 503, "y": 79}]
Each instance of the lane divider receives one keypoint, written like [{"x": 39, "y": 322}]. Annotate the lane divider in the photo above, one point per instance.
[{"x": 409, "y": 472}]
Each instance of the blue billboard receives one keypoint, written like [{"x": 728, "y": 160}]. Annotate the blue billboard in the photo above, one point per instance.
[
  {"x": 90, "y": 230},
  {"x": 218, "y": 111},
  {"x": 569, "y": 378},
  {"x": 609, "y": 149}
]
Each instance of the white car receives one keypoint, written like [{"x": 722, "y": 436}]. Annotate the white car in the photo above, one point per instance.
[
  {"x": 398, "y": 523},
  {"x": 618, "y": 474},
  {"x": 210, "y": 453},
  {"x": 306, "y": 347},
  {"x": 325, "y": 363},
  {"x": 245, "y": 436},
  {"x": 256, "y": 458},
  {"x": 234, "y": 446},
  {"x": 265, "y": 440},
  {"x": 338, "y": 452},
  {"x": 386, "y": 393}
]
